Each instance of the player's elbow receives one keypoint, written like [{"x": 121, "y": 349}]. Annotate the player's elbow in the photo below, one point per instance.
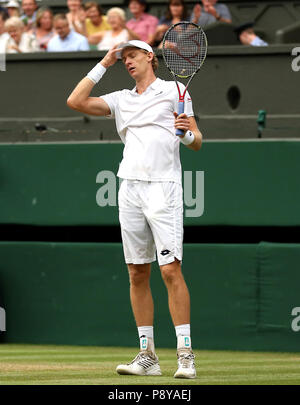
[
  {"x": 73, "y": 103},
  {"x": 196, "y": 145}
]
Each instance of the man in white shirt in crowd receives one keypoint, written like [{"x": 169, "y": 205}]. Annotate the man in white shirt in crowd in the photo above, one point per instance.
[
  {"x": 28, "y": 17},
  {"x": 150, "y": 195},
  {"x": 66, "y": 40}
]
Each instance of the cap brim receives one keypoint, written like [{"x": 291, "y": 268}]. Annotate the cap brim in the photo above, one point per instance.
[
  {"x": 122, "y": 47},
  {"x": 129, "y": 44}
]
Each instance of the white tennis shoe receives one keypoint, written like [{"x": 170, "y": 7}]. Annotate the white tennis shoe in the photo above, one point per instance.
[
  {"x": 145, "y": 363},
  {"x": 185, "y": 358},
  {"x": 186, "y": 364}
]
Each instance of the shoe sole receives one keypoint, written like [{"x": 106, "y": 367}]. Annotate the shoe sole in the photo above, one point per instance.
[
  {"x": 184, "y": 376},
  {"x": 125, "y": 371}
]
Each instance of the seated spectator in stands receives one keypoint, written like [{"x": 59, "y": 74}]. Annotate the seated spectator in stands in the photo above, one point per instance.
[
  {"x": 142, "y": 23},
  {"x": 76, "y": 16},
  {"x": 66, "y": 40},
  {"x": 176, "y": 12},
  {"x": 29, "y": 8},
  {"x": 19, "y": 41},
  {"x": 95, "y": 20},
  {"x": 43, "y": 29},
  {"x": 3, "y": 9},
  {"x": 4, "y": 36},
  {"x": 118, "y": 33},
  {"x": 13, "y": 8},
  {"x": 247, "y": 36},
  {"x": 211, "y": 12}
]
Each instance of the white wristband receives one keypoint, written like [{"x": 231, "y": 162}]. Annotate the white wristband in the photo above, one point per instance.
[
  {"x": 188, "y": 138},
  {"x": 96, "y": 73}
]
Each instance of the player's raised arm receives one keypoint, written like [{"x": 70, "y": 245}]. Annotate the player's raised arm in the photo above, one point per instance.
[{"x": 80, "y": 99}]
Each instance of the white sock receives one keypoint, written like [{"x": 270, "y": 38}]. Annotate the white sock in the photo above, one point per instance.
[
  {"x": 145, "y": 331},
  {"x": 146, "y": 338},
  {"x": 183, "y": 330},
  {"x": 183, "y": 333},
  {"x": 184, "y": 342}
]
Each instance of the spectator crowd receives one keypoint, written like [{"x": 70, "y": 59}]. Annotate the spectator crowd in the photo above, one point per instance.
[{"x": 25, "y": 27}]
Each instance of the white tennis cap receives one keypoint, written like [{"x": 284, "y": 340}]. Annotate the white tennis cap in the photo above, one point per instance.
[{"x": 136, "y": 44}]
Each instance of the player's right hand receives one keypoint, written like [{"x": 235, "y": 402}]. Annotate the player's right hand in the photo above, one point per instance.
[{"x": 111, "y": 57}]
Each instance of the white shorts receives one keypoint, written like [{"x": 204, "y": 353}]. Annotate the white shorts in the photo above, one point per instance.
[{"x": 151, "y": 218}]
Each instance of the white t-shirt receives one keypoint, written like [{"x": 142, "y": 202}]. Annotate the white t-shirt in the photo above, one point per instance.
[
  {"x": 28, "y": 43},
  {"x": 3, "y": 41},
  {"x": 145, "y": 123}
]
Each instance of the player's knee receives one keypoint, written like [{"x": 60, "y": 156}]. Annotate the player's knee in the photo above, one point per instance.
[
  {"x": 138, "y": 274},
  {"x": 171, "y": 273}
]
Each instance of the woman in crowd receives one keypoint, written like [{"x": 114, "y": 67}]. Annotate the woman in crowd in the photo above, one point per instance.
[
  {"x": 43, "y": 29},
  {"x": 142, "y": 23},
  {"x": 95, "y": 21},
  {"x": 118, "y": 33},
  {"x": 19, "y": 41},
  {"x": 76, "y": 16},
  {"x": 176, "y": 12}
]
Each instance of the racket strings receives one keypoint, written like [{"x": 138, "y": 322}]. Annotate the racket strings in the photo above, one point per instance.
[{"x": 184, "y": 48}]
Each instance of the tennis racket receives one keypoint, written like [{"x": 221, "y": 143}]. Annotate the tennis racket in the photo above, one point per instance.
[{"x": 184, "y": 51}]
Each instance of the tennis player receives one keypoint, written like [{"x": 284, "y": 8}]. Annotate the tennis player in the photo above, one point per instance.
[{"x": 150, "y": 195}]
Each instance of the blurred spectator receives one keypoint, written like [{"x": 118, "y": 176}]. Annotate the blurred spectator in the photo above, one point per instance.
[
  {"x": 247, "y": 36},
  {"x": 211, "y": 12},
  {"x": 29, "y": 8},
  {"x": 142, "y": 23},
  {"x": 118, "y": 33},
  {"x": 95, "y": 20},
  {"x": 76, "y": 16},
  {"x": 19, "y": 41},
  {"x": 13, "y": 8},
  {"x": 176, "y": 12},
  {"x": 66, "y": 40},
  {"x": 43, "y": 29},
  {"x": 4, "y": 36}
]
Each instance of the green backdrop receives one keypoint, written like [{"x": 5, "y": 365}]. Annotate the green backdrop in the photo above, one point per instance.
[
  {"x": 241, "y": 295},
  {"x": 245, "y": 183}
]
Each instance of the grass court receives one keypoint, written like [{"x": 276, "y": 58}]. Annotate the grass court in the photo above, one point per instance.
[{"x": 81, "y": 365}]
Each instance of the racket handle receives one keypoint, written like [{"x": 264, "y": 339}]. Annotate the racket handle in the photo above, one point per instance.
[{"x": 180, "y": 111}]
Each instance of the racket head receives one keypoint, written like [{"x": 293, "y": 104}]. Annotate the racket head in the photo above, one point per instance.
[{"x": 184, "y": 49}]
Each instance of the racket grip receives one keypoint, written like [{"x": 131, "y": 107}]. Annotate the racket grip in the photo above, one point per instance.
[{"x": 180, "y": 111}]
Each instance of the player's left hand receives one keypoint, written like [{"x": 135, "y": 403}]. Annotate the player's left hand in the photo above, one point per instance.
[{"x": 182, "y": 122}]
